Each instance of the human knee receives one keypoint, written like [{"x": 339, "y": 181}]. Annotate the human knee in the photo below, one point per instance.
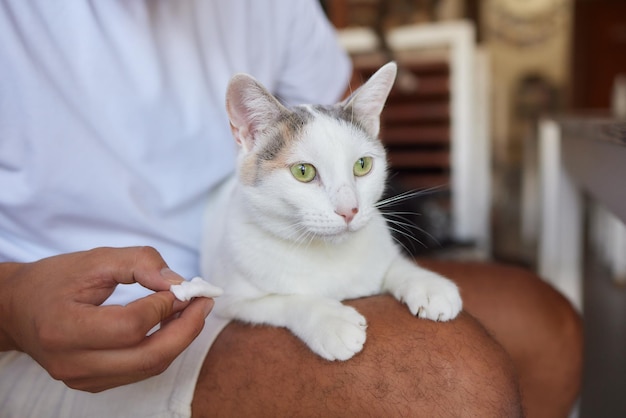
[
  {"x": 483, "y": 381},
  {"x": 488, "y": 381},
  {"x": 438, "y": 369},
  {"x": 545, "y": 305}
]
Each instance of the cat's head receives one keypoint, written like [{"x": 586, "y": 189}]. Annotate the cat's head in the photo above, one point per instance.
[{"x": 310, "y": 172}]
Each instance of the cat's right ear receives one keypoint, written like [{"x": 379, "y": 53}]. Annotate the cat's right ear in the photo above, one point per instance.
[
  {"x": 251, "y": 109},
  {"x": 367, "y": 102}
]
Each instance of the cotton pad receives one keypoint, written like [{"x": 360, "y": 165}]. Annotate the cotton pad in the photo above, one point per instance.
[{"x": 196, "y": 287}]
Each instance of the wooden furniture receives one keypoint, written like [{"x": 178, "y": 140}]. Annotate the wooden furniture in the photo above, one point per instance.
[
  {"x": 583, "y": 249},
  {"x": 599, "y": 51},
  {"x": 415, "y": 126},
  {"x": 438, "y": 135},
  {"x": 579, "y": 156}
]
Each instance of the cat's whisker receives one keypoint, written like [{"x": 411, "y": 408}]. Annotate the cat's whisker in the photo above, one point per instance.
[
  {"x": 406, "y": 196},
  {"x": 301, "y": 237},
  {"x": 410, "y": 236},
  {"x": 296, "y": 233},
  {"x": 304, "y": 239},
  {"x": 402, "y": 221},
  {"x": 400, "y": 214},
  {"x": 395, "y": 199},
  {"x": 311, "y": 237},
  {"x": 410, "y": 229},
  {"x": 287, "y": 231},
  {"x": 405, "y": 228},
  {"x": 397, "y": 220},
  {"x": 409, "y": 226}
]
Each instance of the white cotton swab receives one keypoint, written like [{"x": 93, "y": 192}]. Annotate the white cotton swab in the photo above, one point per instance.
[{"x": 196, "y": 287}]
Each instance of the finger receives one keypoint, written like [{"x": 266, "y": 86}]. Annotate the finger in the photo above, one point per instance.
[
  {"x": 151, "y": 271},
  {"x": 114, "y": 326},
  {"x": 99, "y": 370},
  {"x": 143, "y": 265}
]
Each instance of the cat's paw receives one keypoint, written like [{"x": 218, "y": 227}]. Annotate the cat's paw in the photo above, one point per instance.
[
  {"x": 436, "y": 298},
  {"x": 338, "y": 333}
]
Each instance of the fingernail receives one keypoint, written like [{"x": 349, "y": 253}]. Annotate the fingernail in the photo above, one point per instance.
[
  {"x": 178, "y": 305},
  {"x": 171, "y": 277}
]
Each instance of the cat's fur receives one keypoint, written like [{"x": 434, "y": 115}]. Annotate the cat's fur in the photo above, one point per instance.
[{"x": 288, "y": 252}]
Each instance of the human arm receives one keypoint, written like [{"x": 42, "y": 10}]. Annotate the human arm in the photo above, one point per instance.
[{"x": 50, "y": 309}]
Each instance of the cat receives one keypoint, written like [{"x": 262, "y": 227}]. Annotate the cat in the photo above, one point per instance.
[{"x": 297, "y": 229}]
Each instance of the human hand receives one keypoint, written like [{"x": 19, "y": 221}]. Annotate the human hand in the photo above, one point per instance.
[{"x": 50, "y": 310}]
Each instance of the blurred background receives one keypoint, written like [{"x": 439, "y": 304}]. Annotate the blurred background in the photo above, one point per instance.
[
  {"x": 463, "y": 123},
  {"x": 532, "y": 58}
]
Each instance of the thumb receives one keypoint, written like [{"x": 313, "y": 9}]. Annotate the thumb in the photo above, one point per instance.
[{"x": 151, "y": 310}]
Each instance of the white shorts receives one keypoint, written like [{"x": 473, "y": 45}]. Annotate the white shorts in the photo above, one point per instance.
[{"x": 26, "y": 389}]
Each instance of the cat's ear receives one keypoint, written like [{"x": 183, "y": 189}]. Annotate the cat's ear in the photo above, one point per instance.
[
  {"x": 251, "y": 109},
  {"x": 367, "y": 102}
]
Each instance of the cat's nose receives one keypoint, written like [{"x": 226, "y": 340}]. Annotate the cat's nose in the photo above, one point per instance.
[
  {"x": 347, "y": 214},
  {"x": 346, "y": 203}
]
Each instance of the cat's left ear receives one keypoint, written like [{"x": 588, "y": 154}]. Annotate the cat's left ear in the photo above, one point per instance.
[
  {"x": 251, "y": 109},
  {"x": 367, "y": 102}
]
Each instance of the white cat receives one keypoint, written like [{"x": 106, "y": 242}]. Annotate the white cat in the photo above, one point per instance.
[{"x": 298, "y": 230}]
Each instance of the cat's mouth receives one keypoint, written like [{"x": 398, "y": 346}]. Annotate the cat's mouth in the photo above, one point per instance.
[
  {"x": 314, "y": 227},
  {"x": 335, "y": 233}
]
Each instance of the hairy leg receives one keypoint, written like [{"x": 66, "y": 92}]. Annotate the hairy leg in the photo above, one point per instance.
[
  {"x": 534, "y": 323},
  {"x": 409, "y": 367}
]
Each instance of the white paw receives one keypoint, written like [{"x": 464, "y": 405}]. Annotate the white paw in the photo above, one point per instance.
[
  {"x": 337, "y": 332},
  {"x": 435, "y": 298}
]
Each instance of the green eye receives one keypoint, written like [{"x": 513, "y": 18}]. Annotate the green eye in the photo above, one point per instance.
[
  {"x": 363, "y": 166},
  {"x": 303, "y": 172}
]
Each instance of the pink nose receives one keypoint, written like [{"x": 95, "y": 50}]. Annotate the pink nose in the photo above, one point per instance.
[{"x": 347, "y": 214}]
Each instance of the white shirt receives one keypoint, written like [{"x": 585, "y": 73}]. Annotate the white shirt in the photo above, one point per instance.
[{"x": 112, "y": 120}]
